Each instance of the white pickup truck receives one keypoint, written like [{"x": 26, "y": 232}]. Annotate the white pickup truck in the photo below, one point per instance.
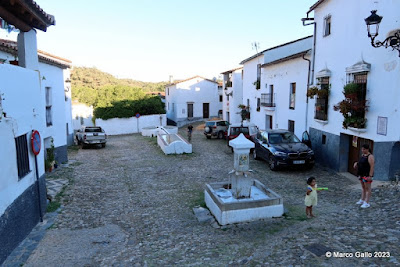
[{"x": 91, "y": 136}]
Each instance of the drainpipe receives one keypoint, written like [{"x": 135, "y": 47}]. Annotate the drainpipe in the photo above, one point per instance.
[
  {"x": 308, "y": 85},
  {"x": 311, "y": 63}
]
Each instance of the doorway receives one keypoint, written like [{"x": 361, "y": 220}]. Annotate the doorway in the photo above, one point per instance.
[
  {"x": 355, "y": 144},
  {"x": 206, "y": 110},
  {"x": 190, "y": 110},
  {"x": 268, "y": 122}
]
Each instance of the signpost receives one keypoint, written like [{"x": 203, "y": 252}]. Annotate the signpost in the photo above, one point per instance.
[
  {"x": 137, "y": 119},
  {"x": 36, "y": 144}
]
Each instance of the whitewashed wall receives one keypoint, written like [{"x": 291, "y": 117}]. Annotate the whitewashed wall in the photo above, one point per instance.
[
  {"x": 24, "y": 107},
  {"x": 53, "y": 77},
  {"x": 196, "y": 90},
  {"x": 249, "y": 89},
  {"x": 80, "y": 110},
  {"x": 348, "y": 44},
  {"x": 118, "y": 126},
  {"x": 281, "y": 75},
  {"x": 235, "y": 99}
]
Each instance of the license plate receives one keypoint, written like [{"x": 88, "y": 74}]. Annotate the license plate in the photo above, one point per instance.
[{"x": 299, "y": 161}]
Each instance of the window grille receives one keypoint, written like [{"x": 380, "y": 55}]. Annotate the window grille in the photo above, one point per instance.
[{"x": 21, "y": 146}]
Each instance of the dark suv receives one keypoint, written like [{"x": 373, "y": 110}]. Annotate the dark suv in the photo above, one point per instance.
[
  {"x": 282, "y": 148},
  {"x": 216, "y": 128}
]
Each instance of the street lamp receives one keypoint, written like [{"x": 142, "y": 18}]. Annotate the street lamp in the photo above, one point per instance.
[{"x": 373, "y": 22}]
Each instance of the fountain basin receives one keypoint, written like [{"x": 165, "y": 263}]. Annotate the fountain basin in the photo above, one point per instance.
[
  {"x": 173, "y": 144},
  {"x": 170, "y": 129},
  {"x": 263, "y": 203},
  {"x": 150, "y": 131}
]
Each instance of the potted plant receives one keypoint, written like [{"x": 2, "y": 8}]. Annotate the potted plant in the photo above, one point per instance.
[
  {"x": 312, "y": 91},
  {"x": 242, "y": 106},
  {"x": 351, "y": 90},
  {"x": 323, "y": 93},
  {"x": 318, "y": 108},
  {"x": 257, "y": 84},
  {"x": 50, "y": 158}
]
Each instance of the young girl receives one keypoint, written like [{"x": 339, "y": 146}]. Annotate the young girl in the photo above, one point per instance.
[{"x": 311, "y": 196}]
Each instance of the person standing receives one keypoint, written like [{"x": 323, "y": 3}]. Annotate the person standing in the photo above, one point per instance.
[
  {"x": 365, "y": 171},
  {"x": 190, "y": 130}
]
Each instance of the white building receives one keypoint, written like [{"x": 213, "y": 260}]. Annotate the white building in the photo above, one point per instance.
[
  {"x": 55, "y": 89},
  {"x": 82, "y": 114},
  {"x": 192, "y": 99},
  {"x": 232, "y": 94},
  {"x": 22, "y": 110},
  {"x": 344, "y": 54},
  {"x": 275, "y": 86}
]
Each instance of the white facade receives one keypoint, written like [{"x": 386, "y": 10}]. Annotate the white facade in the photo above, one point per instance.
[
  {"x": 23, "y": 106},
  {"x": 195, "y": 93},
  {"x": 283, "y": 86},
  {"x": 282, "y": 77},
  {"x": 82, "y": 114},
  {"x": 232, "y": 95},
  {"x": 347, "y": 51}
]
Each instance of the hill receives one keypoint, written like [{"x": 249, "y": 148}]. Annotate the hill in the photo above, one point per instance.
[{"x": 94, "y": 78}]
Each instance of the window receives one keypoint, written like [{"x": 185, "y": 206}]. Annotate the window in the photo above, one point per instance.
[
  {"x": 21, "y": 146},
  {"x": 168, "y": 105},
  {"x": 220, "y": 98},
  {"x": 258, "y": 104},
  {"x": 291, "y": 126},
  {"x": 327, "y": 25},
  {"x": 173, "y": 107},
  {"x": 258, "y": 82},
  {"x": 361, "y": 79},
  {"x": 49, "y": 119},
  {"x": 323, "y": 139},
  {"x": 167, "y": 91},
  {"x": 321, "y": 102},
  {"x": 292, "y": 95},
  {"x": 82, "y": 122}
]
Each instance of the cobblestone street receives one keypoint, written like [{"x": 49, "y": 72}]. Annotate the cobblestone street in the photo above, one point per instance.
[{"x": 129, "y": 204}]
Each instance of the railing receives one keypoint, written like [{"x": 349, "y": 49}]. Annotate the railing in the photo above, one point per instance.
[{"x": 268, "y": 100}]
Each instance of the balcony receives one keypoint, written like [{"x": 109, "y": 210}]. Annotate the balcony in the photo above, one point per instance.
[
  {"x": 228, "y": 84},
  {"x": 268, "y": 101}
]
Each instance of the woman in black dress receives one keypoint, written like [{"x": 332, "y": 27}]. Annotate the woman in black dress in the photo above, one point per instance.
[{"x": 365, "y": 172}]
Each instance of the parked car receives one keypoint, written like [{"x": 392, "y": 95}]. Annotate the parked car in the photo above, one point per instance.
[
  {"x": 249, "y": 130},
  {"x": 282, "y": 148},
  {"x": 87, "y": 136},
  {"x": 216, "y": 128}
]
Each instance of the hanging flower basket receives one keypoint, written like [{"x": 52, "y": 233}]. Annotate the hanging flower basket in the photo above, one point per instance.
[
  {"x": 323, "y": 93},
  {"x": 352, "y": 90},
  {"x": 312, "y": 91}
]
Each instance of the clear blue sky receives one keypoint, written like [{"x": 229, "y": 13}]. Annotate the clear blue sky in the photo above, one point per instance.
[{"x": 149, "y": 40}]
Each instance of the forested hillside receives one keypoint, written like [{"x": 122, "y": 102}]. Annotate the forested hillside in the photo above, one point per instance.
[
  {"x": 112, "y": 97},
  {"x": 94, "y": 78}
]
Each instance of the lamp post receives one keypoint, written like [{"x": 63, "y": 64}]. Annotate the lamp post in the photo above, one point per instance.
[{"x": 373, "y": 22}]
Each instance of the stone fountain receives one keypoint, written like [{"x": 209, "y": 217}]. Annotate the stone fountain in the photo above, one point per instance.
[{"x": 242, "y": 198}]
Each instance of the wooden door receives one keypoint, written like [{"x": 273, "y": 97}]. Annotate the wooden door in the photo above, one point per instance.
[
  {"x": 206, "y": 110},
  {"x": 355, "y": 151},
  {"x": 190, "y": 110}
]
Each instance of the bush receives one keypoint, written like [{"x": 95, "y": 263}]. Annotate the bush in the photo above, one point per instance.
[{"x": 129, "y": 108}]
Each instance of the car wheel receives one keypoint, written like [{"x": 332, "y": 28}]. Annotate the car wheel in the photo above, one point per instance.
[
  {"x": 272, "y": 163},
  {"x": 255, "y": 154},
  {"x": 208, "y": 137},
  {"x": 103, "y": 145},
  {"x": 220, "y": 135},
  {"x": 207, "y": 129},
  {"x": 84, "y": 146}
]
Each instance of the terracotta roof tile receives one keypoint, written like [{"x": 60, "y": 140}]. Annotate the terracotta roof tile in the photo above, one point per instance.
[
  {"x": 197, "y": 76},
  {"x": 11, "y": 47}
]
